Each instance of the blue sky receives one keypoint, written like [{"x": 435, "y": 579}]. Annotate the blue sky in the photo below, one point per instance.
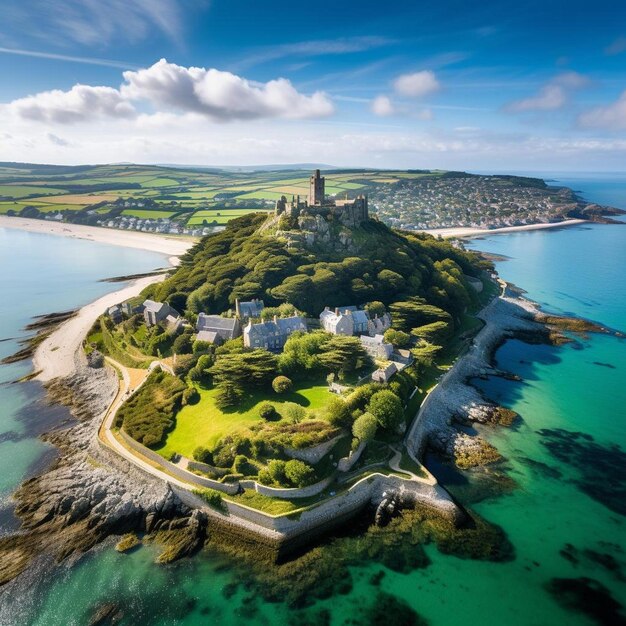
[{"x": 454, "y": 85}]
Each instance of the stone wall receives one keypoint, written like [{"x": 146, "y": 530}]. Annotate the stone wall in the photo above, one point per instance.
[
  {"x": 313, "y": 454},
  {"x": 298, "y": 492},
  {"x": 200, "y": 481},
  {"x": 345, "y": 464}
]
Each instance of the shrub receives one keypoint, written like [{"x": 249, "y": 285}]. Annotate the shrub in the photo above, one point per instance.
[
  {"x": 293, "y": 412},
  {"x": 182, "y": 344},
  {"x": 299, "y": 474},
  {"x": 150, "y": 413},
  {"x": 228, "y": 395},
  {"x": 242, "y": 465},
  {"x": 191, "y": 396},
  {"x": 281, "y": 384},
  {"x": 338, "y": 412},
  {"x": 274, "y": 474},
  {"x": 203, "y": 455},
  {"x": 268, "y": 412},
  {"x": 212, "y": 497}
]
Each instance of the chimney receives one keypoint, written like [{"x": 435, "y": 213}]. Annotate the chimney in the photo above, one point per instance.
[
  {"x": 337, "y": 312},
  {"x": 275, "y": 319}
]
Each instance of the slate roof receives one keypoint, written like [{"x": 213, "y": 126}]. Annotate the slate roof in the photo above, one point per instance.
[
  {"x": 215, "y": 322},
  {"x": 151, "y": 305},
  {"x": 207, "y": 335}
]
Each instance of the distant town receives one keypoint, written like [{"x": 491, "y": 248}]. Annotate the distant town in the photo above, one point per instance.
[{"x": 197, "y": 202}]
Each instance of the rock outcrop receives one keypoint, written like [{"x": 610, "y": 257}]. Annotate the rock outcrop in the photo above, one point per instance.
[{"x": 90, "y": 493}]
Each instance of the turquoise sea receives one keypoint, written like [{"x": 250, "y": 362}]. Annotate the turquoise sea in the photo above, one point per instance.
[{"x": 566, "y": 518}]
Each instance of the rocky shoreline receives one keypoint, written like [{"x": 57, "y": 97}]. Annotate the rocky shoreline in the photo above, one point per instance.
[
  {"x": 87, "y": 494},
  {"x": 455, "y": 403},
  {"x": 90, "y": 493}
]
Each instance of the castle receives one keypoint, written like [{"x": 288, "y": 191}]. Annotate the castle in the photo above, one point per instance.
[{"x": 349, "y": 212}]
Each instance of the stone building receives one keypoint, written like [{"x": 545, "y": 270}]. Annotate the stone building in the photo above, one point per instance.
[
  {"x": 349, "y": 212},
  {"x": 155, "y": 312},
  {"x": 212, "y": 327},
  {"x": 376, "y": 347},
  {"x": 272, "y": 335},
  {"x": 246, "y": 310}
]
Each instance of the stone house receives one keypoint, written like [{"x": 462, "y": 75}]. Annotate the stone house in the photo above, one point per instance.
[
  {"x": 223, "y": 327},
  {"x": 376, "y": 347},
  {"x": 272, "y": 335},
  {"x": 246, "y": 310},
  {"x": 115, "y": 313},
  {"x": 155, "y": 312},
  {"x": 337, "y": 322},
  {"x": 378, "y": 325},
  {"x": 383, "y": 374}
]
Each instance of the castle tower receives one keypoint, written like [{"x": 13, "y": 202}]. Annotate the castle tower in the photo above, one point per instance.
[{"x": 316, "y": 189}]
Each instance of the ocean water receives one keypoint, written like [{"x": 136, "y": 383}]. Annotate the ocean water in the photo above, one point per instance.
[{"x": 567, "y": 458}]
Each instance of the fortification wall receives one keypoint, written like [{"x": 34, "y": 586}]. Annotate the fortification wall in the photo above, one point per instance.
[{"x": 201, "y": 481}]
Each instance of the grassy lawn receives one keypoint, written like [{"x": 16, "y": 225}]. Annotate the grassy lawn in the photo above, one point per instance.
[{"x": 203, "y": 424}]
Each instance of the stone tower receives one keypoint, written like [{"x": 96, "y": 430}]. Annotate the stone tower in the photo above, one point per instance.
[{"x": 316, "y": 189}]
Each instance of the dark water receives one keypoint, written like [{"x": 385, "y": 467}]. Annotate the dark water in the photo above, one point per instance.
[{"x": 563, "y": 519}]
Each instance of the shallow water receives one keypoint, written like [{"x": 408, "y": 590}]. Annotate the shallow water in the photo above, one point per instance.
[{"x": 559, "y": 500}]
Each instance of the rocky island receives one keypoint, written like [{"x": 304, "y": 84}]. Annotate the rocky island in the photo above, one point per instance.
[{"x": 277, "y": 384}]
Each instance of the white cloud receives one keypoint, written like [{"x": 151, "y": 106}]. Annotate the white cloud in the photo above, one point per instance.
[
  {"x": 617, "y": 47},
  {"x": 612, "y": 116},
  {"x": 382, "y": 106},
  {"x": 81, "y": 103},
  {"x": 549, "y": 98},
  {"x": 417, "y": 85},
  {"x": 221, "y": 95},
  {"x": 217, "y": 95},
  {"x": 426, "y": 115},
  {"x": 93, "y": 22},
  {"x": 552, "y": 96}
]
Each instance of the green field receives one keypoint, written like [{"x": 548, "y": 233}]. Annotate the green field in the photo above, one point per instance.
[
  {"x": 171, "y": 189},
  {"x": 203, "y": 424},
  {"x": 21, "y": 191},
  {"x": 146, "y": 214}
]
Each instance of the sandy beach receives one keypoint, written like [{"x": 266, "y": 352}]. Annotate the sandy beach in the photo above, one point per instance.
[
  {"x": 55, "y": 356},
  {"x": 166, "y": 244},
  {"x": 480, "y": 232}
]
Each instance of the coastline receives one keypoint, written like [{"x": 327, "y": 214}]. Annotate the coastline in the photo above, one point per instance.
[
  {"x": 165, "y": 244},
  {"x": 467, "y": 232},
  {"x": 55, "y": 355}
]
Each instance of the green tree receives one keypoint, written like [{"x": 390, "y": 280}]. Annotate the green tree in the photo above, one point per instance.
[
  {"x": 268, "y": 412},
  {"x": 338, "y": 412},
  {"x": 386, "y": 407},
  {"x": 364, "y": 427},
  {"x": 182, "y": 343},
  {"x": 281, "y": 384},
  {"x": 228, "y": 394},
  {"x": 343, "y": 354},
  {"x": 398, "y": 338},
  {"x": 299, "y": 474},
  {"x": 203, "y": 455}
]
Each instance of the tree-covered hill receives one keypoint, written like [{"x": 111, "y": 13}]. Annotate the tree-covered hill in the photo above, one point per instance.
[{"x": 388, "y": 266}]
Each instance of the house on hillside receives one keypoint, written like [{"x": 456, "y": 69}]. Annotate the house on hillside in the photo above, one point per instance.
[
  {"x": 378, "y": 325},
  {"x": 376, "y": 347},
  {"x": 383, "y": 374},
  {"x": 337, "y": 322},
  {"x": 115, "y": 313},
  {"x": 210, "y": 327},
  {"x": 155, "y": 312},
  {"x": 272, "y": 335},
  {"x": 246, "y": 310}
]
